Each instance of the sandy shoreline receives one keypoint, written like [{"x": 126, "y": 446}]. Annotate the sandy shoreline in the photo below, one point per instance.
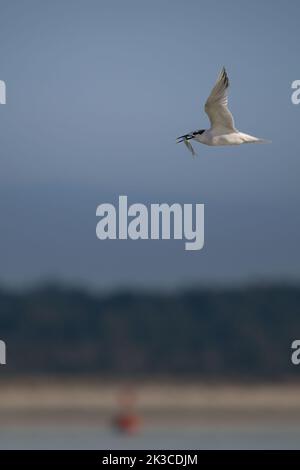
[{"x": 93, "y": 402}]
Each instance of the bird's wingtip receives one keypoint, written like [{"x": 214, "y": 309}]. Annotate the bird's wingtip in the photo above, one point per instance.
[{"x": 224, "y": 77}]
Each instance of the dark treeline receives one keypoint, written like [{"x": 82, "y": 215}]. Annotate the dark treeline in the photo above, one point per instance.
[{"x": 226, "y": 334}]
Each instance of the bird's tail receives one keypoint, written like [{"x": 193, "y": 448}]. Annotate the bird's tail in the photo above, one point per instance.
[
  {"x": 263, "y": 141},
  {"x": 250, "y": 139}
]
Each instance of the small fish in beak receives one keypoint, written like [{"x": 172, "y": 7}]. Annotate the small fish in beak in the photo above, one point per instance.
[
  {"x": 189, "y": 146},
  {"x": 186, "y": 140}
]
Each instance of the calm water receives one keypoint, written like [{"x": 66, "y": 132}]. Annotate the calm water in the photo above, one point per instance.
[{"x": 94, "y": 438}]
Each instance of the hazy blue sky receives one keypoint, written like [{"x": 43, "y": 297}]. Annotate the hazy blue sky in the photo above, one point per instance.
[{"x": 97, "y": 92}]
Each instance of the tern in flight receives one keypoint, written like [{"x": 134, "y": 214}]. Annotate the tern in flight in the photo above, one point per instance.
[{"x": 222, "y": 130}]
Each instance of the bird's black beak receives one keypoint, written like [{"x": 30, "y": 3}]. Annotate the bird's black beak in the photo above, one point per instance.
[{"x": 182, "y": 138}]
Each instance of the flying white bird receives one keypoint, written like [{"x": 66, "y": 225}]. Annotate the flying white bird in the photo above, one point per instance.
[{"x": 222, "y": 130}]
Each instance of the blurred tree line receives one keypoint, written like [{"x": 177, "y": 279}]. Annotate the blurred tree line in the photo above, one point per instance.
[{"x": 203, "y": 334}]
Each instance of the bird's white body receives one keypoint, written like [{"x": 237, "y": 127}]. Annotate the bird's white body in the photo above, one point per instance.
[
  {"x": 222, "y": 130},
  {"x": 211, "y": 137}
]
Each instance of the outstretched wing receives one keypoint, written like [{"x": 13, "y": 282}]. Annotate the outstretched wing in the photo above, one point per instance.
[{"x": 216, "y": 105}]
